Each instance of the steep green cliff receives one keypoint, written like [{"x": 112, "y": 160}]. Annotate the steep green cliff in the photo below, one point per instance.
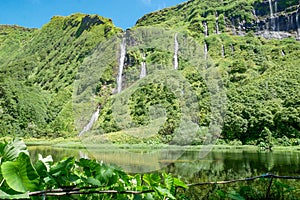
[
  {"x": 260, "y": 75},
  {"x": 250, "y": 47},
  {"x": 37, "y": 71}
]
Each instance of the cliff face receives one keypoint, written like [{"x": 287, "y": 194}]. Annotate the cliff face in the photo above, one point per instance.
[
  {"x": 271, "y": 18},
  {"x": 257, "y": 72},
  {"x": 277, "y": 18},
  {"x": 37, "y": 71}
]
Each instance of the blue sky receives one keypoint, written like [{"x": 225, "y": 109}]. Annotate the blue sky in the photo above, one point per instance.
[{"x": 35, "y": 13}]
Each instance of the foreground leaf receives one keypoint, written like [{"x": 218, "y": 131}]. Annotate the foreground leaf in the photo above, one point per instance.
[
  {"x": 20, "y": 174},
  {"x": 4, "y": 195},
  {"x": 12, "y": 150}
]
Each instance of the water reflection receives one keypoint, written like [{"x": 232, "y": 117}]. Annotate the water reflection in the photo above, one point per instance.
[{"x": 217, "y": 165}]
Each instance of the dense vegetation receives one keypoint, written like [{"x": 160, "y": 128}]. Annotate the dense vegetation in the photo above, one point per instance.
[
  {"x": 260, "y": 76},
  {"x": 21, "y": 179},
  {"x": 24, "y": 176},
  {"x": 37, "y": 71}
]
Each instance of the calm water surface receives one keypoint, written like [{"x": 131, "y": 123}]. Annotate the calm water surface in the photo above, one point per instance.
[{"x": 189, "y": 164}]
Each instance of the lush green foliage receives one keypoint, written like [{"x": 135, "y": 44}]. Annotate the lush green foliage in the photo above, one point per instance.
[
  {"x": 19, "y": 177},
  {"x": 260, "y": 76},
  {"x": 37, "y": 71}
]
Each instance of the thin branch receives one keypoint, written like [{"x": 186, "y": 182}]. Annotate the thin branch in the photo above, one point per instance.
[
  {"x": 2, "y": 182},
  {"x": 91, "y": 190},
  {"x": 244, "y": 179},
  {"x": 62, "y": 192}
]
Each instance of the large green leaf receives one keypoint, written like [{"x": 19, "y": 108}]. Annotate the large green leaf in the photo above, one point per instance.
[
  {"x": 4, "y": 195},
  {"x": 20, "y": 174},
  {"x": 169, "y": 182},
  {"x": 179, "y": 183},
  {"x": 164, "y": 192},
  {"x": 43, "y": 165},
  {"x": 152, "y": 179},
  {"x": 12, "y": 150}
]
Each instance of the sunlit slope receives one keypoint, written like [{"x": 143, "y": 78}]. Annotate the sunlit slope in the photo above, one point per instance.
[
  {"x": 258, "y": 62},
  {"x": 38, "y": 68}
]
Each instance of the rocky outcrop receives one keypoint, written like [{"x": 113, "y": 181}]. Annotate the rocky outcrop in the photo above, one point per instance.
[{"x": 276, "y": 21}]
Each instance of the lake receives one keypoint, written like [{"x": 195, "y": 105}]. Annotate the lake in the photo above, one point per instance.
[{"x": 193, "y": 165}]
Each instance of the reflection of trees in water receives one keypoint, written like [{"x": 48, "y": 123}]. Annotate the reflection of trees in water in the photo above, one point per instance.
[
  {"x": 231, "y": 165},
  {"x": 217, "y": 165}
]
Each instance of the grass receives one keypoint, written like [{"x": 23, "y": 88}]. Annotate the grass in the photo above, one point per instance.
[{"x": 91, "y": 143}]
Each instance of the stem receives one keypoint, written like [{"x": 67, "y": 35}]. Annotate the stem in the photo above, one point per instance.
[
  {"x": 269, "y": 188},
  {"x": 2, "y": 182}
]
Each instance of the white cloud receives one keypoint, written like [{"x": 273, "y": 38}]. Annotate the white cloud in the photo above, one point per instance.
[{"x": 147, "y": 2}]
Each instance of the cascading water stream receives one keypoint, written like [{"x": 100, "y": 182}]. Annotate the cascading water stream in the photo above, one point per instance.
[
  {"x": 205, "y": 51},
  {"x": 121, "y": 64},
  {"x": 271, "y": 9},
  {"x": 205, "y": 29},
  {"x": 240, "y": 32},
  {"x": 93, "y": 119},
  {"x": 217, "y": 24},
  {"x": 272, "y": 21},
  {"x": 297, "y": 25},
  {"x": 205, "y": 54},
  {"x": 176, "y": 47},
  {"x": 223, "y": 51},
  {"x": 143, "y": 67}
]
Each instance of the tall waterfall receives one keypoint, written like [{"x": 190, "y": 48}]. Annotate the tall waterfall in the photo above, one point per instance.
[
  {"x": 271, "y": 9},
  {"x": 143, "y": 67},
  {"x": 217, "y": 24},
  {"x": 297, "y": 25},
  {"x": 205, "y": 29},
  {"x": 121, "y": 64},
  {"x": 275, "y": 8},
  {"x": 272, "y": 25},
  {"x": 223, "y": 51},
  {"x": 91, "y": 122},
  {"x": 176, "y": 47},
  {"x": 205, "y": 54},
  {"x": 205, "y": 51}
]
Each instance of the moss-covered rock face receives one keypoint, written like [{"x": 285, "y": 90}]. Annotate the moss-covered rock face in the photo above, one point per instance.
[{"x": 235, "y": 17}]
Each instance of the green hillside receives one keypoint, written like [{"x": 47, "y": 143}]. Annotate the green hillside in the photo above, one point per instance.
[
  {"x": 38, "y": 68},
  {"x": 252, "y": 54}
]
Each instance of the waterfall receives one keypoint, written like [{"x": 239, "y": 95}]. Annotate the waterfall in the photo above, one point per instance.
[
  {"x": 223, "y": 51},
  {"x": 91, "y": 122},
  {"x": 205, "y": 29},
  {"x": 240, "y": 32},
  {"x": 217, "y": 24},
  {"x": 297, "y": 24},
  {"x": 176, "y": 47},
  {"x": 288, "y": 26},
  {"x": 272, "y": 25},
  {"x": 143, "y": 67},
  {"x": 121, "y": 64},
  {"x": 205, "y": 54},
  {"x": 271, "y": 9},
  {"x": 205, "y": 50}
]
